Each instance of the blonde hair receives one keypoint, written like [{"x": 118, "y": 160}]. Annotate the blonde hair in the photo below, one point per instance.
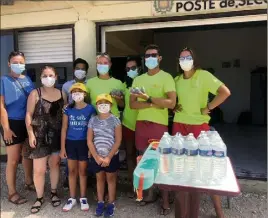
[{"x": 105, "y": 55}]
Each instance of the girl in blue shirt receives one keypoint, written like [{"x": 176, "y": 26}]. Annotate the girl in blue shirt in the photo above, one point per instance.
[
  {"x": 14, "y": 91},
  {"x": 74, "y": 143}
]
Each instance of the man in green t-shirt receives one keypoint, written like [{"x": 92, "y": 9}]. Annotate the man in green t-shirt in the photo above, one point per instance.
[{"x": 152, "y": 106}]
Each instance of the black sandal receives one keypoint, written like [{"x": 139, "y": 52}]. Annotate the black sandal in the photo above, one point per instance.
[
  {"x": 29, "y": 187},
  {"x": 165, "y": 211},
  {"x": 37, "y": 208},
  {"x": 55, "y": 202}
]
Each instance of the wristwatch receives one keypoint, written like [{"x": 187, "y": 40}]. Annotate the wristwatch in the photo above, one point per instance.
[{"x": 149, "y": 100}]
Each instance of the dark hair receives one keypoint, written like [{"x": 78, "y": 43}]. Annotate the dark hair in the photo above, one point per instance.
[
  {"x": 48, "y": 67},
  {"x": 14, "y": 54},
  {"x": 129, "y": 80},
  {"x": 81, "y": 61},
  {"x": 152, "y": 46},
  {"x": 196, "y": 62}
]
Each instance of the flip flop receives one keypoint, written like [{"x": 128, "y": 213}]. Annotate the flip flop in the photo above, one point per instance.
[
  {"x": 165, "y": 211},
  {"x": 19, "y": 200},
  {"x": 36, "y": 209}
]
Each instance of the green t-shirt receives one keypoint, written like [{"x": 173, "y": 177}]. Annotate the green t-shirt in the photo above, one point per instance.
[
  {"x": 97, "y": 86},
  {"x": 129, "y": 115},
  {"x": 193, "y": 96},
  {"x": 155, "y": 86}
]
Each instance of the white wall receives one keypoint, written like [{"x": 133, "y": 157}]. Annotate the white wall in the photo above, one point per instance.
[{"x": 216, "y": 46}]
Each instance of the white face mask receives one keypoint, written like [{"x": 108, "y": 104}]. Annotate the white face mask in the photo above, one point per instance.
[
  {"x": 103, "y": 108},
  {"x": 78, "y": 96},
  {"x": 186, "y": 65},
  {"x": 80, "y": 74},
  {"x": 48, "y": 81}
]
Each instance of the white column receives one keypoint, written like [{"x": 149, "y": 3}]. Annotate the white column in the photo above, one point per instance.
[{"x": 85, "y": 44}]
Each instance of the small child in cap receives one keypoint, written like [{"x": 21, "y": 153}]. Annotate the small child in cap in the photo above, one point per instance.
[{"x": 104, "y": 138}]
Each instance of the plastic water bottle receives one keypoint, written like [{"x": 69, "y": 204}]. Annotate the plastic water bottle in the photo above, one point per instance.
[
  {"x": 219, "y": 160},
  {"x": 164, "y": 149},
  {"x": 205, "y": 158},
  {"x": 178, "y": 157},
  {"x": 191, "y": 159}
]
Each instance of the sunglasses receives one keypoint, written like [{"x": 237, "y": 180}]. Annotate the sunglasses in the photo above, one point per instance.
[
  {"x": 154, "y": 55},
  {"x": 131, "y": 68},
  {"x": 188, "y": 58}
]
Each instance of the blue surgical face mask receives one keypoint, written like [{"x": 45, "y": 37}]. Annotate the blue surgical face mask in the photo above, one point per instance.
[
  {"x": 17, "y": 68},
  {"x": 103, "y": 68},
  {"x": 151, "y": 63},
  {"x": 132, "y": 73}
]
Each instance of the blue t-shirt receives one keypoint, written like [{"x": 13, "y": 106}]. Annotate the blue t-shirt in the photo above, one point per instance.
[
  {"x": 15, "y": 97},
  {"x": 78, "y": 121},
  {"x": 66, "y": 89}
]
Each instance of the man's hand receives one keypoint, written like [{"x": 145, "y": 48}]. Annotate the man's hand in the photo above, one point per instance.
[
  {"x": 178, "y": 108},
  {"x": 99, "y": 160},
  {"x": 141, "y": 95},
  {"x": 106, "y": 162},
  {"x": 205, "y": 111}
]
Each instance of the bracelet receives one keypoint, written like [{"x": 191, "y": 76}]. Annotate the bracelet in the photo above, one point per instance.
[{"x": 149, "y": 100}]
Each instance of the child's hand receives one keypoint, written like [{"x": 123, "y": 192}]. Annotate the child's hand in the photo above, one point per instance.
[
  {"x": 106, "y": 162},
  {"x": 63, "y": 154},
  {"x": 99, "y": 159}
]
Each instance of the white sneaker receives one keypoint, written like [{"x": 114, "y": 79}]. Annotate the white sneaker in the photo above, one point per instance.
[
  {"x": 69, "y": 205},
  {"x": 84, "y": 204}
]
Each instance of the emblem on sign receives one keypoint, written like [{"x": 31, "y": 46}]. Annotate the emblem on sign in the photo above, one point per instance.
[{"x": 163, "y": 6}]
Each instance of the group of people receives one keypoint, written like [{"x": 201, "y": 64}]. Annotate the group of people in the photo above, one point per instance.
[{"x": 82, "y": 124}]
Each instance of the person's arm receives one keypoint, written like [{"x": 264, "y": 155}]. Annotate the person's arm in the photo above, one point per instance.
[
  {"x": 116, "y": 145},
  {"x": 91, "y": 146},
  {"x": 222, "y": 94},
  {"x": 31, "y": 102},
  {"x": 136, "y": 105},
  {"x": 63, "y": 135},
  {"x": 4, "y": 115},
  {"x": 217, "y": 88},
  {"x": 168, "y": 102}
]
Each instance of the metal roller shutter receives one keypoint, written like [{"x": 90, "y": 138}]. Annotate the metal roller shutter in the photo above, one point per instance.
[{"x": 47, "y": 46}]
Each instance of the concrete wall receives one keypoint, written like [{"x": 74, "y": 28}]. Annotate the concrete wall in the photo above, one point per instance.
[{"x": 216, "y": 46}]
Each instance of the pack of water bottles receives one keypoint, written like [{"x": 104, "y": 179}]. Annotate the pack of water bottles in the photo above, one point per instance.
[{"x": 187, "y": 160}]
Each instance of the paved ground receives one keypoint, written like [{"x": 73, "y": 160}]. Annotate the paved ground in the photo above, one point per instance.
[{"x": 248, "y": 205}]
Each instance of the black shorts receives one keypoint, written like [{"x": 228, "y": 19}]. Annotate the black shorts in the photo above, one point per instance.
[
  {"x": 112, "y": 168},
  {"x": 19, "y": 129},
  {"x": 77, "y": 150}
]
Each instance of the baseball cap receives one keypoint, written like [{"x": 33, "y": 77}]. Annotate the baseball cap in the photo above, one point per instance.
[
  {"x": 106, "y": 97},
  {"x": 80, "y": 86}
]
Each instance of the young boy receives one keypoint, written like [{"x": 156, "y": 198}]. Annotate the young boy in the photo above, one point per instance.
[{"x": 104, "y": 138}]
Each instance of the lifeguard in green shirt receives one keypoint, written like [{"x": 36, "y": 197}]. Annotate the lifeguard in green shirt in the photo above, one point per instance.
[
  {"x": 104, "y": 84},
  {"x": 152, "y": 106},
  {"x": 129, "y": 120}
]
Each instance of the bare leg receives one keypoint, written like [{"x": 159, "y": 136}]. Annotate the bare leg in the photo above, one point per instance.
[
  {"x": 165, "y": 199},
  {"x": 82, "y": 168},
  {"x": 100, "y": 185},
  {"x": 28, "y": 170},
  {"x": 40, "y": 166},
  {"x": 217, "y": 205},
  {"x": 111, "y": 180},
  {"x": 73, "y": 173},
  {"x": 131, "y": 161},
  {"x": 54, "y": 166},
  {"x": 13, "y": 157},
  {"x": 194, "y": 204}
]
